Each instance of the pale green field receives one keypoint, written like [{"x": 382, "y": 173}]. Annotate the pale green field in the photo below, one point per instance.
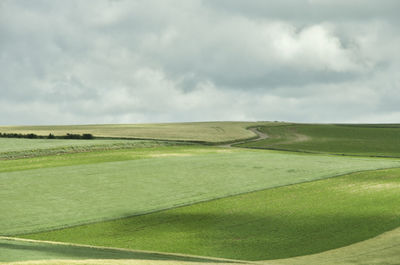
[{"x": 197, "y": 131}]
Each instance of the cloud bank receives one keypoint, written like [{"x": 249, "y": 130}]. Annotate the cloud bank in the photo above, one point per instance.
[{"x": 78, "y": 61}]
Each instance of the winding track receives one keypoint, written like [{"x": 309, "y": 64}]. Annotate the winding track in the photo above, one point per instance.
[{"x": 261, "y": 136}]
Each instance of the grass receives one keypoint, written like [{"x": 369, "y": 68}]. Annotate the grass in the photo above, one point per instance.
[
  {"x": 364, "y": 140},
  {"x": 21, "y": 250},
  {"x": 11, "y": 148},
  {"x": 94, "y": 156},
  {"x": 195, "y": 131},
  {"x": 383, "y": 249},
  {"x": 279, "y": 223},
  {"x": 60, "y": 195},
  {"x": 15, "y": 145}
]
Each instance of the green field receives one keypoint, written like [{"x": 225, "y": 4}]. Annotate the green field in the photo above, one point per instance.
[
  {"x": 66, "y": 195},
  {"x": 190, "y": 131},
  {"x": 11, "y": 148},
  {"x": 364, "y": 140},
  {"x": 13, "y": 249},
  {"x": 284, "y": 222},
  {"x": 195, "y": 199},
  {"x": 383, "y": 249}
]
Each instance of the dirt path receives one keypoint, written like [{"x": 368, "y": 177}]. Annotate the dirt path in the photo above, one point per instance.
[{"x": 260, "y": 135}]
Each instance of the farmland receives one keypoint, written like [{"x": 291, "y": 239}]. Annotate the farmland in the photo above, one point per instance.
[
  {"x": 208, "y": 200},
  {"x": 20, "y": 148},
  {"x": 363, "y": 140},
  {"x": 382, "y": 249},
  {"x": 295, "y": 220},
  {"x": 198, "y": 131},
  {"x": 93, "y": 192}
]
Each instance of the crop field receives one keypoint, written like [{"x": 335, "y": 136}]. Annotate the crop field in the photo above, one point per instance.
[
  {"x": 124, "y": 201},
  {"x": 19, "y": 148},
  {"x": 196, "y": 131},
  {"x": 364, "y": 140},
  {"x": 68, "y": 195},
  {"x": 276, "y": 223}
]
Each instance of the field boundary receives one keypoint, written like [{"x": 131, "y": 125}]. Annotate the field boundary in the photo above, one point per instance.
[
  {"x": 255, "y": 137},
  {"x": 316, "y": 153}
]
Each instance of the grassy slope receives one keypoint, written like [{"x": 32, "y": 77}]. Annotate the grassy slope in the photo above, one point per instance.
[
  {"x": 97, "y": 190},
  {"x": 114, "y": 262},
  {"x": 198, "y": 131},
  {"x": 278, "y": 223},
  {"x": 15, "y": 145},
  {"x": 338, "y": 139},
  {"x": 99, "y": 156},
  {"x": 11, "y": 148},
  {"x": 383, "y": 249},
  {"x": 20, "y": 250}
]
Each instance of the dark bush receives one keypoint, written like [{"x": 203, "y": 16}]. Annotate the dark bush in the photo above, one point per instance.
[
  {"x": 87, "y": 136},
  {"x": 72, "y": 136},
  {"x": 31, "y": 136}
]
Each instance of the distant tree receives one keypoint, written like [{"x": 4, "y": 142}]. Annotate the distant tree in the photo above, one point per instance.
[
  {"x": 31, "y": 136},
  {"x": 87, "y": 136}
]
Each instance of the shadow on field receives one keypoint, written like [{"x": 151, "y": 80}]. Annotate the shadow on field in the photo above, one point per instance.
[
  {"x": 278, "y": 223},
  {"x": 248, "y": 236}
]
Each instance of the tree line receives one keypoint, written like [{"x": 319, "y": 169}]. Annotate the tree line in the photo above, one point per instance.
[{"x": 85, "y": 136}]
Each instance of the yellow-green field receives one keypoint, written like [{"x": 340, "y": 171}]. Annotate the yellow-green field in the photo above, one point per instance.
[{"x": 197, "y": 131}]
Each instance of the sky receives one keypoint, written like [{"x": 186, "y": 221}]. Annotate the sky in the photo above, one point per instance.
[{"x": 148, "y": 61}]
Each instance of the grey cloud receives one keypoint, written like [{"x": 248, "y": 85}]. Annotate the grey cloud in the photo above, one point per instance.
[
  {"x": 311, "y": 11},
  {"x": 179, "y": 60}
]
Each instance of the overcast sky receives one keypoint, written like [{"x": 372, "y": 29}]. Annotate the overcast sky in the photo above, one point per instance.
[{"x": 134, "y": 61}]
